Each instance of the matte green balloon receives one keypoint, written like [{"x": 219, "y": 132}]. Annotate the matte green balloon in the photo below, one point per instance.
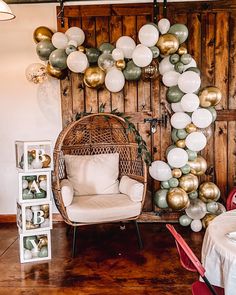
[
  {"x": 174, "y": 58},
  {"x": 179, "y": 67},
  {"x": 193, "y": 195},
  {"x": 186, "y": 58},
  {"x": 40, "y": 195},
  {"x": 43, "y": 252},
  {"x": 213, "y": 112},
  {"x": 181, "y": 133},
  {"x": 192, "y": 155},
  {"x": 180, "y": 31},
  {"x": 93, "y": 55},
  {"x": 44, "y": 48},
  {"x": 174, "y": 136},
  {"x": 185, "y": 220},
  {"x": 30, "y": 177},
  {"x": 27, "y": 194},
  {"x": 57, "y": 59},
  {"x": 174, "y": 94},
  {"x": 160, "y": 198},
  {"x": 106, "y": 47},
  {"x": 165, "y": 184},
  {"x": 194, "y": 69},
  {"x": 70, "y": 49},
  {"x": 185, "y": 169},
  {"x": 155, "y": 51},
  {"x": 132, "y": 72},
  {"x": 27, "y": 241},
  {"x": 173, "y": 182},
  {"x": 212, "y": 207}
]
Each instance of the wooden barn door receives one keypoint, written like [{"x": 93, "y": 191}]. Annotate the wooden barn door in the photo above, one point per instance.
[{"x": 212, "y": 39}]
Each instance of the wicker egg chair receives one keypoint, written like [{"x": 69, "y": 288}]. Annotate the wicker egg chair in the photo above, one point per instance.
[{"x": 99, "y": 133}]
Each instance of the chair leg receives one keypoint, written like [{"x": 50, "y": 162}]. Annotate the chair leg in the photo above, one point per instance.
[
  {"x": 68, "y": 229},
  {"x": 140, "y": 242},
  {"x": 74, "y": 241},
  {"x": 211, "y": 288}
]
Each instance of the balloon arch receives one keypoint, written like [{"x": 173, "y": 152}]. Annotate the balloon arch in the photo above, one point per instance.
[{"x": 161, "y": 50}]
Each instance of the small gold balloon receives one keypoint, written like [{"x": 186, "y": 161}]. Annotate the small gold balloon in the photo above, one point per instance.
[
  {"x": 182, "y": 50},
  {"x": 30, "y": 225},
  {"x": 168, "y": 44},
  {"x": 208, "y": 192},
  {"x": 151, "y": 71},
  {"x": 42, "y": 33},
  {"x": 43, "y": 241},
  {"x": 42, "y": 177},
  {"x": 189, "y": 182},
  {"x": 33, "y": 153},
  {"x": 81, "y": 48},
  {"x": 176, "y": 172},
  {"x": 210, "y": 96},
  {"x": 94, "y": 77},
  {"x": 180, "y": 143},
  {"x": 56, "y": 73},
  {"x": 46, "y": 160},
  {"x": 177, "y": 199},
  {"x": 207, "y": 219},
  {"x": 120, "y": 64},
  {"x": 191, "y": 128},
  {"x": 45, "y": 208},
  {"x": 198, "y": 166}
]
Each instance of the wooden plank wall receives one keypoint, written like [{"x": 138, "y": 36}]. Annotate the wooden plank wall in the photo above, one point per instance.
[{"x": 212, "y": 42}]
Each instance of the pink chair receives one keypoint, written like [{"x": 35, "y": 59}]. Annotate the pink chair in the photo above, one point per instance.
[
  {"x": 190, "y": 262},
  {"x": 231, "y": 200}
]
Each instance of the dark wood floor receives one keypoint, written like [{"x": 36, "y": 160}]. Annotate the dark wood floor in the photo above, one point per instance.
[{"x": 108, "y": 262}]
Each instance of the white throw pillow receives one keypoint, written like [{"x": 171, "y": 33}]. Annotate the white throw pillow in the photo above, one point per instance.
[
  {"x": 132, "y": 188},
  {"x": 93, "y": 174},
  {"x": 67, "y": 192}
]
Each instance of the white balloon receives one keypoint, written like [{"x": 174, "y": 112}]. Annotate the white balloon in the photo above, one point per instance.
[
  {"x": 76, "y": 34},
  {"x": 170, "y": 78},
  {"x": 180, "y": 120},
  {"x": 163, "y": 25},
  {"x": 114, "y": 80},
  {"x": 189, "y": 82},
  {"x": 73, "y": 42},
  {"x": 142, "y": 56},
  {"x": 197, "y": 209},
  {"x": 160, "y": 171},
  {"x": 28, "y": 214},
  {"x": 27, "y": 254},
  {"x": 202, "y": 118},
  {"x": 165, "y": 65},
  {"x": 190, "y": 102},
  {"x": 43, "y": 185},
  {"x": 196, "y": 225},
  {"x": 127, "y": 45},
  {"x": 192, "y": 64},
  {"x": 148, "y": 35},
  {"x": 36, "y": 164},
  {"x": 176, "y": 107},
  {"x": 117, "y": 54},
  {"x": 177, "y": 157},
  {"x": 196, "y": 141},
  {"x": 77, "y": 62},
  {"x": 24, "y": 184},
  {"x": 59, "y": 40}
]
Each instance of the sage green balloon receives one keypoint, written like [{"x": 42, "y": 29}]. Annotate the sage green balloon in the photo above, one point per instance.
[
  {"x": 160, "y": 198},
  {"x": 186, "y": 58},
  {"x": 192, "y": 155},
  {"x": 174, "y": 58},
  {"x": 185, "y": 169},
  {"x": 44, "y": 48},
  {"x": 27, "y": 194},
  {"x": 181, "y": 133},
  {"x": 43, "y": 252},
  {"x": 165, "y": 184},
  {"x": 27, "y": 241},
  {"x": 185, "y": 220},
  {"x": 30, "y": 177},
  {"x": 180, "y": 31},
  {"x": 212, "y": 207},
  {"x": 213, "y": 112},
  {"x": 194, "y": 69},
  {"x": 132, "y": 72},
  {"x": 40, "y": 195},
  {"x": 173, "y": 182},
  {"x": 106, "y": 47},
  {"x": 174, "y": 94},
  {"x": 155, "y": 51},
  {"x": 193, "y": 195},
  {"x": 57, "y": 59},
  {"x": 70, "y": 49},
  {"x": 174, "y": 136},
  {"x": 179, "y": 67},
  {"x": 93, "y": 55}
]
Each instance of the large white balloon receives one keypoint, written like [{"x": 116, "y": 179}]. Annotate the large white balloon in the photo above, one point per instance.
[
  {"x": 59, "y": 40},
  {"x": 202, "y": 118},
  {"x": 77, "y": 62},
  {"x": 176, "y": 107},
  {"x": 196, "y": 225},
  {"x": 163, "y": 25},
  {"x": 142, "y": 56},
  {"x": 127, "y": 45},
  {"x": 165, "y": 65},
  {"x": 148, "y": 35},
  {"x": 177, "y": 157},
  {"x": 190, "y": 102},
  {"x": 197, "y": 209},
  {"x": 170, "y": 78},
  {"x": 117, "y": 54},
  {"x": 159, "y": 170},
  {"x": 114, "y": 80},
  {"x": 180, "y": 120},
  {"x": 196, "y": 141},
  {"x": 76, "y": 34},
  {"x": 189, "y": 82}
]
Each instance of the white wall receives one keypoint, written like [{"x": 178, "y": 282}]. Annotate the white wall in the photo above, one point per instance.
[{"x": 27, "y": 111}]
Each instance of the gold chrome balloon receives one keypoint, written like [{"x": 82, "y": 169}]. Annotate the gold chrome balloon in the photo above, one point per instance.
[
  {"x": 81, "y": 48},
  {"x": 180, "y": 143},
  {"x": 191, "y": 128},
  {"x": 46, "y": 160},
  {"x": 30, "y": 225},
  {"x": 151, "y": 71},
  {"x": 42, "y": 177},
  {"x": 43, "y": 241},
  {"x": 168, "y": 44},
  {"x": 177, "y": 199},
  {"x": 56, "y": 73},
  {"x": 208, "y": 192},
  {"x": 94, "y": 77},
  {"x": 120, "y": 64},
  {"x": 182, "y": 50},
  {"x": 209, "y": 96},
  {"x": 198, "y": 166},
  {"x": 45, "y": 208},
  {"x": 176, "y": 172},
  {"x": 189, "y": 182},
  {"x": 42, "y": 33},
  {"x": 207, "y": 219}
]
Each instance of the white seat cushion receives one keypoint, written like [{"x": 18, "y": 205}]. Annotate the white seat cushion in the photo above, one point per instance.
[{"x": 102, "y": 208}]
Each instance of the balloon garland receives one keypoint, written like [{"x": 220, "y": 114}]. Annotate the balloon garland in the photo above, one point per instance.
[{"x": 161, "y": 50}]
